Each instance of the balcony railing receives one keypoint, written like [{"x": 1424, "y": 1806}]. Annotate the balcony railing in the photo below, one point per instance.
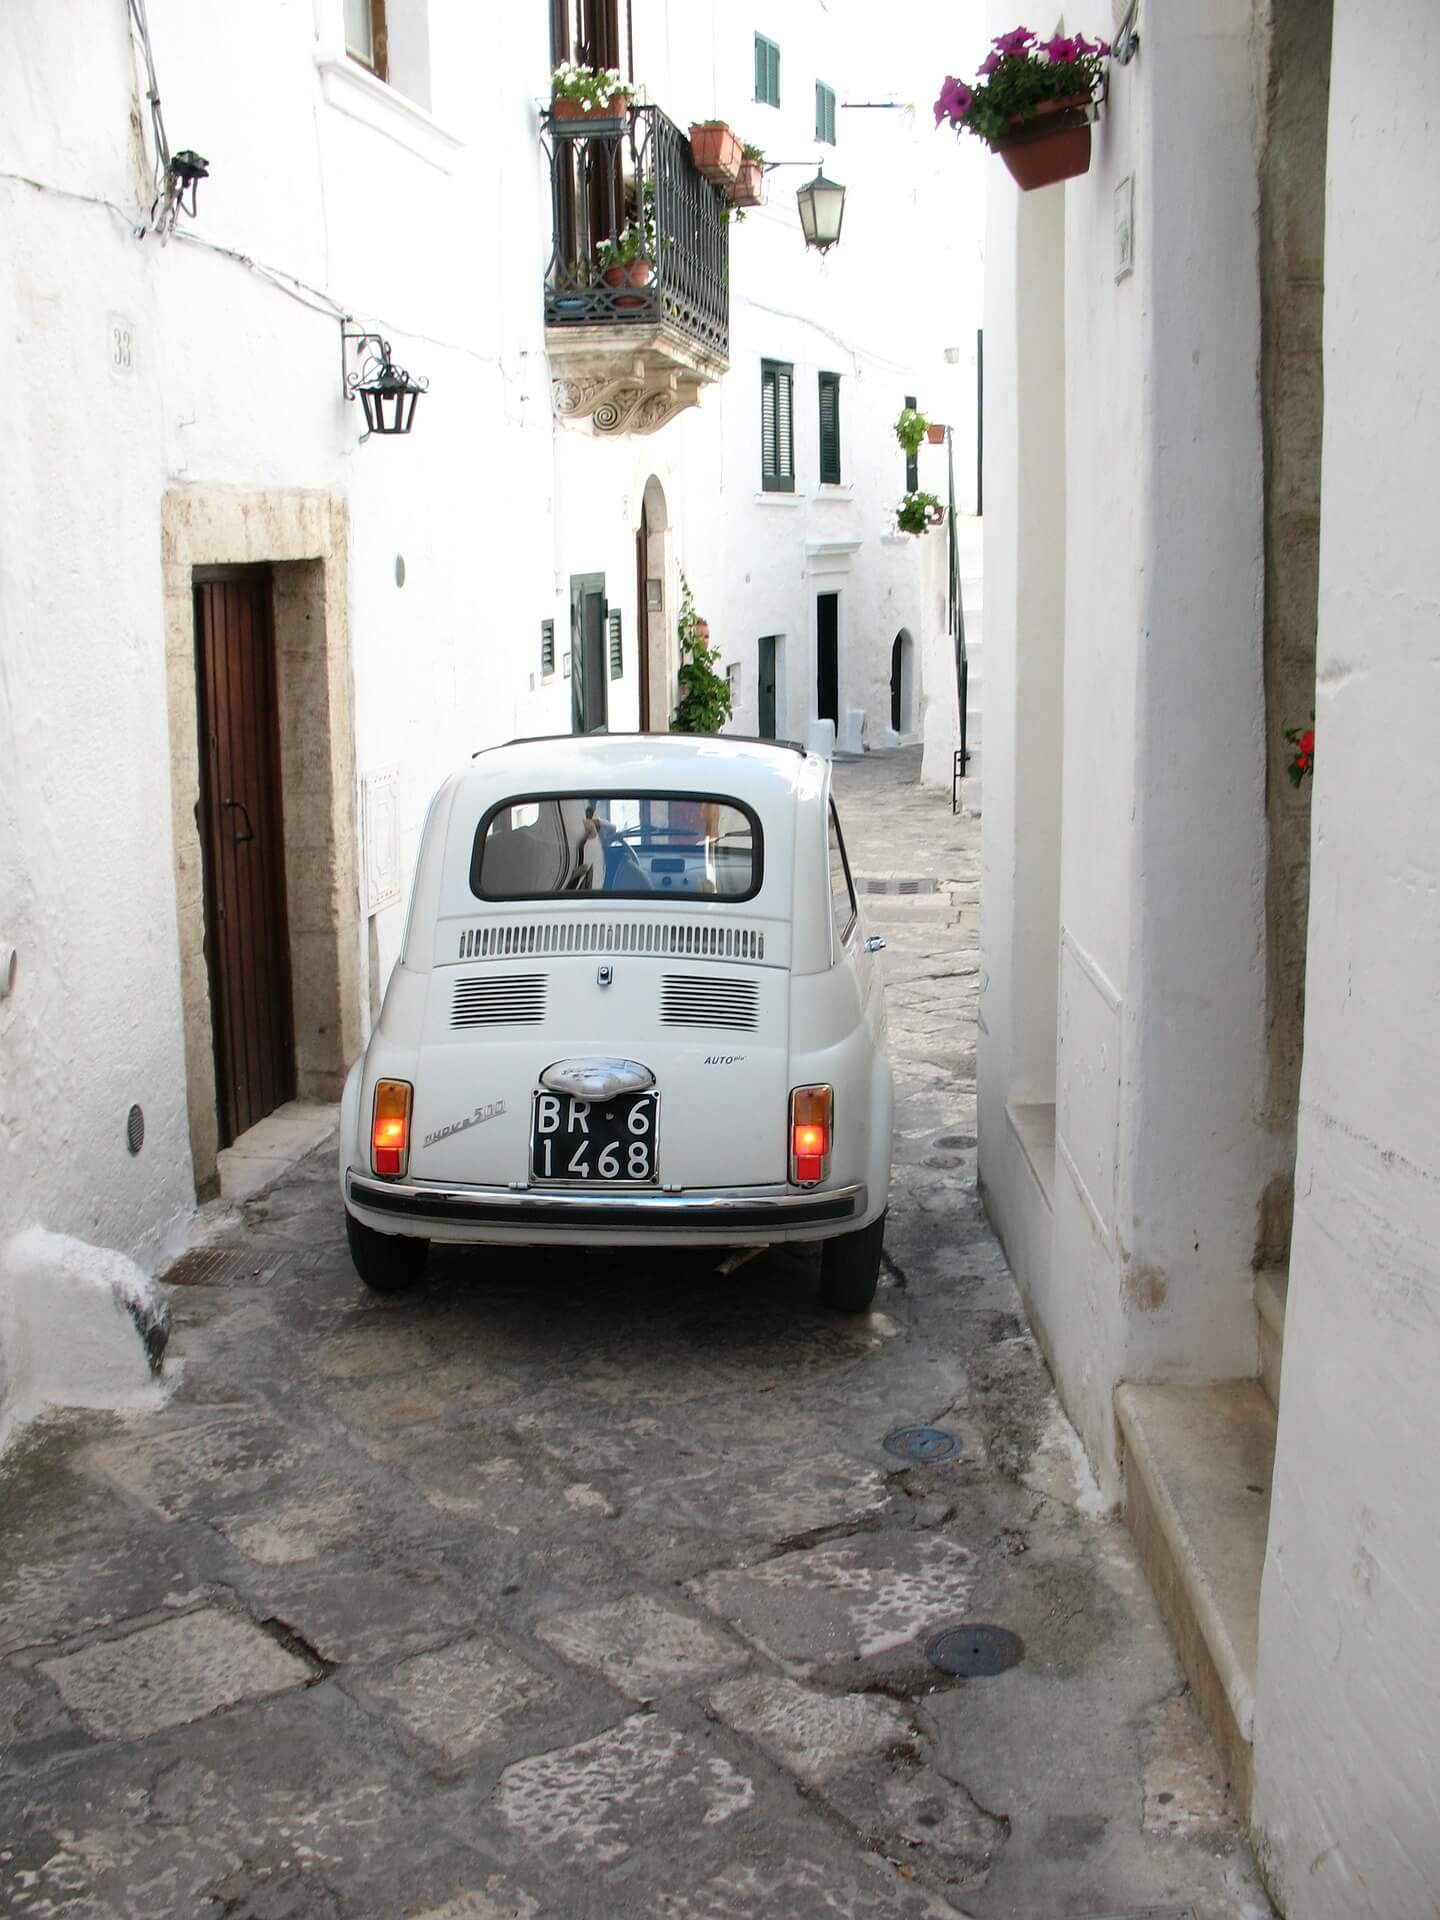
[{"x": 640, "y": 238}]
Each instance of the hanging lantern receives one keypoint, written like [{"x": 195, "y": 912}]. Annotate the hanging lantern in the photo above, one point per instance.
[
  {"x": 822, "y": 208},
  {"x": 387, "y": 393}
]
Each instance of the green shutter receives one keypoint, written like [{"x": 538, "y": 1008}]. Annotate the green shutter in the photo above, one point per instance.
[
  {"x": 912, "y": 460},
  {"x": 830, "y": 429},
  {"x": 767, "y": 71},
  {"x": 777, "y": 429},
  {"x": 824, "y": 113},
  {"x": 617, "y": 656},
  {"x": 547, "y": 646}
]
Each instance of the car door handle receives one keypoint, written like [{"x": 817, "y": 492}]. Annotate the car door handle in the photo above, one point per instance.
[
  {"x": 247, "y": 832},
  {"x": 875, "y": 944}
]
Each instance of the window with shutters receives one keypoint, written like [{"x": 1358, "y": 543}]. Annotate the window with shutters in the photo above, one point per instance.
[
  {"x": 767, "y": 71},
  {"x": 777, "y": 427},
  {"x": 824, "y": 113},
  {"x": 912, "y": 460},
  {"x": 830, "y": 429},
  {"x": 547, "y": 648},
  {"x": 365, "y": 37}
]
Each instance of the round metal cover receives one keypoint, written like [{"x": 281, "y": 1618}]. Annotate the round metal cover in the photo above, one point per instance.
[
  {"x": 135, "y": 1129},
  {"x": 926, "y": 1444},
  {"x": 973, "y": 1650}
]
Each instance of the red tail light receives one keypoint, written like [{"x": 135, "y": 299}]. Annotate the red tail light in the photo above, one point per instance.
[
  {"x": 390, "y": 1128},
  {"x": 811, "y": 1129}
]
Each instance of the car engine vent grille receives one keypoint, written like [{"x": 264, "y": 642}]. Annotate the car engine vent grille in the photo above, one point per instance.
[
  {"x": 685, "y": 939},
  {"x": 499, "y": 1000},
  {"x": 690, "y": 1000}
]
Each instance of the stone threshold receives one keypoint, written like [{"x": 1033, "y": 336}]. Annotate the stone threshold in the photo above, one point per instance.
[
  {"x": 1198, "y": 1464},
  {"x": 1272, "y": 1285},
  {"x": 273, "y": 1146},
  {"x": 1033, "y": 1124}
]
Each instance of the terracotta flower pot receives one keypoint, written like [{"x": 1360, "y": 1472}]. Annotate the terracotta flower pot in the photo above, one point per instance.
[
  {"x": 1052, "y": 145},
  {"x": 629, "y": 273},
  {"x": 935, "y": 435},
  {"x": 749, "y": 187},
  {"x": 717, "y": 154},
  {"x": 563, "y": 109}
]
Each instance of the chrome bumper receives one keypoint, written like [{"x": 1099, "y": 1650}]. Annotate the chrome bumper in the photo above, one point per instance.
[{"x": 708, "y": 1213}]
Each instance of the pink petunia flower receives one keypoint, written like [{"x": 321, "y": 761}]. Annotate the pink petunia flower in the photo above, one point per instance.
[
  {"x": 1062, "y": 52},
  {"x": 987, "y": 66},
  {"x": 1014, "y": 42},
  {"x": 954, "y": 102}
]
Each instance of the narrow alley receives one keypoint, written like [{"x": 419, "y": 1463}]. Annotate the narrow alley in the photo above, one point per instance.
[{"x": 603, "y": 1586}]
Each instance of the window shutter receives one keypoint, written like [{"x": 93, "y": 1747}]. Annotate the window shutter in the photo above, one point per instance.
[
  {"x": 772, "y": 75},
  {"x": 768, "y": 465},
  {"x": 777, "y": 433},
  {"x": 912, "y": 460},
  {"x": 617, "y": 658},
  {"x": 547, "y": 647},
  {"x": 760, "y": 68},
  {"x": 830, "y": 428},
  {"x": 824, "y": 113}
]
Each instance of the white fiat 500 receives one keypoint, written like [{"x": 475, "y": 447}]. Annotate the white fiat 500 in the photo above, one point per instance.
[{"x": 635, "y": 1006}]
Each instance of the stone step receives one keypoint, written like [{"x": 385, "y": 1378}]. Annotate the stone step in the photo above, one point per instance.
[
  {"x": 1198, "y": 1464},
  {"x": 1271, "y": 1286}
]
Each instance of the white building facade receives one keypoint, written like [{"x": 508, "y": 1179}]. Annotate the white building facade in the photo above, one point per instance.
[
  {"x": 240, "y": 648},
  {"x": 1208, "y": 1016}
]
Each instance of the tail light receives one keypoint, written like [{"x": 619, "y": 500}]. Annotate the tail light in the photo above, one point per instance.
[
  {"x": 811, "y": 1131},
  {"x": 390, "y": 1128}
]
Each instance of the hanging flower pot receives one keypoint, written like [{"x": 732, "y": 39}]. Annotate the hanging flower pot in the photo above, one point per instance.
[
  {"x": 629, "y": 273},
  {"x": 749, "y": 187},
  {"x": 716, "y": 151},
  {"x": 1032, "y": 103},
  {"x": 935, "y": 433},
  {"x": 1051, "y": 145}
]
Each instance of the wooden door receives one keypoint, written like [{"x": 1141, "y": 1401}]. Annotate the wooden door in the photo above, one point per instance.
[
  {"x": 827, "y": 657},
  {"x": 897, "y": 683},
  {"x": 642, "y": 616},
  {"x": 247, "y": 941}
]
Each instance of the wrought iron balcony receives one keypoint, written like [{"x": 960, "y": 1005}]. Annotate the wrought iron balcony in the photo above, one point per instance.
[{"x": 637, "y": 292}]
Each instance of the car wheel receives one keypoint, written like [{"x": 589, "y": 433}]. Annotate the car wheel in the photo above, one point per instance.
[
  {"x": 850, "y": 1268},
  {"x": 386, "y": 1262}
]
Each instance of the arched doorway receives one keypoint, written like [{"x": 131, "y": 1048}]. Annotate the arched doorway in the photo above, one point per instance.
[
  {"x": 652, "y": 623},
  {"x": 902, "y": 682}
]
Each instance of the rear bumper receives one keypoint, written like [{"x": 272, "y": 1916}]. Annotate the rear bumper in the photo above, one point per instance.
[{"x": 482, "y": 1213}]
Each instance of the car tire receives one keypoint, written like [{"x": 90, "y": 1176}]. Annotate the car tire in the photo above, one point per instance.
[
  {"x": 850, "y": 1268},
  {"x": 386, "y": 1262}
]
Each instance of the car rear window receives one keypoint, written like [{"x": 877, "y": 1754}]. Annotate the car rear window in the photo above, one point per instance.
[{"x": 625, "y": 845}]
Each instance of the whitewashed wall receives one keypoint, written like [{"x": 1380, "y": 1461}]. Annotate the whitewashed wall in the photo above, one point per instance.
[
  {"x": 1348, "y": 1825},
  {"x": 426, "y": 217}
]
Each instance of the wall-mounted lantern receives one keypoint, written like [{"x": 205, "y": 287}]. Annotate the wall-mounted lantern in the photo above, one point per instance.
[
  {"x": 386, "y": 392},
  {"x": 822, "y": 208}
]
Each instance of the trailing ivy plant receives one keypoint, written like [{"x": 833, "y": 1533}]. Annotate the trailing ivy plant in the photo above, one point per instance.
[
  {"x": 916, "y": 511},
  {"x": 911, "y": 428},
  {"x": 705, "y": 703}
]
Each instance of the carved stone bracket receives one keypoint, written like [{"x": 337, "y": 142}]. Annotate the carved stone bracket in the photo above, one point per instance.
[{"x": 628, "y": 384}]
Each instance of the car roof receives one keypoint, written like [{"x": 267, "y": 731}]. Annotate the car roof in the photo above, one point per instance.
[{"x": 641, "y": 762}]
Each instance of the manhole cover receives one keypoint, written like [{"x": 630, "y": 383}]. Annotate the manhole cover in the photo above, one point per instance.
[
  {"x": 217, "y": 1266},
  {"x": 973, "y": 1650},
  {"x": 953, "y": 1142},
  {"x": 921, "y": 1443}
]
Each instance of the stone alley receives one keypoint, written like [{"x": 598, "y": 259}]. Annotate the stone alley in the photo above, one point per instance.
[{"x": 576, "y": 1587}]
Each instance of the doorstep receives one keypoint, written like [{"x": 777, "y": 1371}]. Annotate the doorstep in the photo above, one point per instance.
[
  {"x": 273, "y": 1146},
  {"x": 1198, "y": 1464}
]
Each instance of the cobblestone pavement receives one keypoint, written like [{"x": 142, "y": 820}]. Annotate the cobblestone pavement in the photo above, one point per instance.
[{"x": 566, "y": 1589}]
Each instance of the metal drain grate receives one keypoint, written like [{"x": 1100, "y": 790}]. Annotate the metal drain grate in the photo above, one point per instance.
[
  {"x": 973, "y": 1650},
  {"x": 926, "y": 1444},
  {"x": 222, "y": 1266},
  {"x": 1146, "y": 1913}
]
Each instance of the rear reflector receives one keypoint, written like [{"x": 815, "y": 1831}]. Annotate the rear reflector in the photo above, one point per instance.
[
  {"x": 811, "y": 1111},
  {"x": 390, "y": 1129}
]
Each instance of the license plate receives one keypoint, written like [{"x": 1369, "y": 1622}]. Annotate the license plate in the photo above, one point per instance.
[{"x": 597, "y": 1143}]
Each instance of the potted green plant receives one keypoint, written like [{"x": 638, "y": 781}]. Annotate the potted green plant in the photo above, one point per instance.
[
  {"x": 588, "y": 93},
  {"x": 1032, "y": 103},
  {"x": 749, "y": 186},
  {"x": 716, "y": 152},
  {"x": 910, "y": 429},
  {"x": 628, "y": 258},
  {"x": 917, "y": 511},
  {"x": 704, "y": 705}
]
